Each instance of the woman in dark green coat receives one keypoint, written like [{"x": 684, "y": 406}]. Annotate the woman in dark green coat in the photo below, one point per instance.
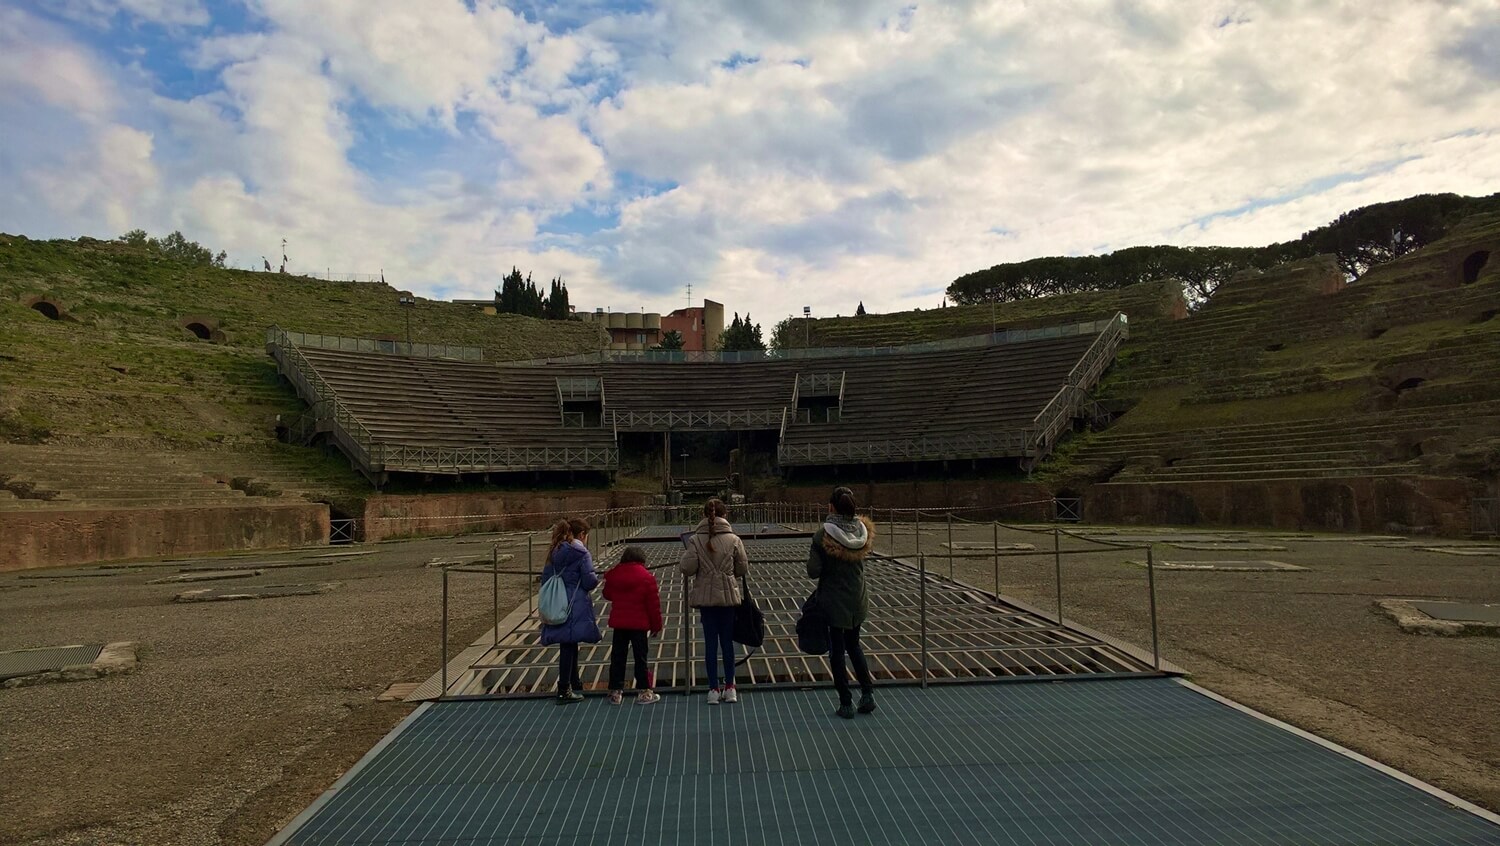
[{"x": 837, "y": 561}]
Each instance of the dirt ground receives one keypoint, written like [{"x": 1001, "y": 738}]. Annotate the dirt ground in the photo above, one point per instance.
[
  {"x": 241, "y": 713},
  {"x": 1304, "y": 646}
]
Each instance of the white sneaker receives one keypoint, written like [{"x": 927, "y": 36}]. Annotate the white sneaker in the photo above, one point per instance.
[
  {"x": 731, "y": 696},
  {"x": 713, "y": 696}
]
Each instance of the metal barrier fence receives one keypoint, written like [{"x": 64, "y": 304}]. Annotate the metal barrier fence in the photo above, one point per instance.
[
  {"x": 1008, "y": 336},
  {"x": 1485, "y": 517},
  {"x": 778, "y": 520},
  {"x": 277, "y": 335}
]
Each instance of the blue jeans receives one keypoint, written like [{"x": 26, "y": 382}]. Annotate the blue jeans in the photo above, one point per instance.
[{"x": 718, "y": 636}]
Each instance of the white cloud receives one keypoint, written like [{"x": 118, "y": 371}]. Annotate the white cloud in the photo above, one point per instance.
[
  {"x": 417, "y": 57},
  {"x": 820, "y": 154},
  {"x": 36, "y": 62}
]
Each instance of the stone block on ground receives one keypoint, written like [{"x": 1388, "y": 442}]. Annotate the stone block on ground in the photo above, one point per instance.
[
  {"x": 1232, "y": 546},
  {"x": 205, "y": 576},
  {"x": 111, "y": 659},
  {"x": 1449, "y": 619},
  {"x": 253, "y": 592},
  {"x": 1244, "y": 566},
  {"x": 80, "y": 573}
]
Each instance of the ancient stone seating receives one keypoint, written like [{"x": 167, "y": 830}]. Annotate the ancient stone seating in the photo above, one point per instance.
[
  {"x": 46, "y": 476},
  {"x": 455, "y": 416},
  {"x": 993, "y": 391},
  {"x": 443, "y": 403}
]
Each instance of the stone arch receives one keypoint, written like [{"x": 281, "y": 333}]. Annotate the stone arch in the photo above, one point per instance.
[
  {"x": 1475, "y": 262},
  {"x": 203, "y": 328},
  {"x": 47, "y": 307}
]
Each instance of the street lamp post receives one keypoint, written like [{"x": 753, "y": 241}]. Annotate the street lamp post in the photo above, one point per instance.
[
  {"x": 806, "y": 326},
  {"x": 407, "y": 303},
  {"x": 684, "y": 457}
]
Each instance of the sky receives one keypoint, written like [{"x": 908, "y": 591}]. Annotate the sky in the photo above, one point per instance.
[{"x": 769, "y": 154}]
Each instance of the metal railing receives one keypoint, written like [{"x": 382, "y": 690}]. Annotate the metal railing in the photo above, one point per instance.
[
  {"x": 1059, "y": 412},
  {"x": 579, "y": 388},
  {"x": 496, "y": 459},
  {"x": 330, "y": 414},
  {"x": 276, "y": 334},
  {"x": 923, "y": 448},
  {"x": 656, "y": 421},
  {"x": 820, "y": 384},
  {"x": 772, "y": 520},
  {"x": 1485, "y": 517},
  {"x": 1008, "y": 336}
]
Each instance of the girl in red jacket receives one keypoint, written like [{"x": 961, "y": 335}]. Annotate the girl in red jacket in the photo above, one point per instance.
[{"x": 634, "y": 610}]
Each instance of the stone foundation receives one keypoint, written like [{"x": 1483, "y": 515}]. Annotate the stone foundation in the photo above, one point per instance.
[
  {"x": 432, "y": 515},
  {"x": 979, "y": 499},
  {"x": 1401, "y": 505},
  {"x": 57, "y": 537}
]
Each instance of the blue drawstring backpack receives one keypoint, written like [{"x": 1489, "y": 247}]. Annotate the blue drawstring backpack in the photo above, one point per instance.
[{"x": 554, "y": 604}]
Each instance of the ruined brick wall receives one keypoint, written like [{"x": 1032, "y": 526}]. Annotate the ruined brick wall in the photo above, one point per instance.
[
  {"x": 1361, "y": 504},
  {"x": 432, "y": 515},
  {"x": 980, "y": 499},
  {"x": 60, "y": 537}
]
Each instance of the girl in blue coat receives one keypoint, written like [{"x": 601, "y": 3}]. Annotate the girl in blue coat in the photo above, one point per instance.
[{"x": 569, "y": 558}]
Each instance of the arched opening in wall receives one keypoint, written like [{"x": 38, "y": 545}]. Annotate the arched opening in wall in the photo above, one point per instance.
[
  {"x": 1473, "y": 264},
  {"x": 203, "y": 327},
  {"x": 47, "y": 310},
  {"x": 1376, "y": 332},
  {"x": 1408, "y": 384}
]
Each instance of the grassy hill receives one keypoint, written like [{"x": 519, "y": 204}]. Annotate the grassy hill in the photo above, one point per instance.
[
  {"x": 1389, "y": 375},
  {"x": 120, "y": 373}
]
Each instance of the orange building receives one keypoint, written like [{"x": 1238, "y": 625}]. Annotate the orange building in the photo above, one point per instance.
[{"x": 700, "y": 327}]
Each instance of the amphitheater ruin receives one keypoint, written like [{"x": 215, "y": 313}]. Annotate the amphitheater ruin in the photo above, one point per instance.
[{"x": 272, "y": 530}]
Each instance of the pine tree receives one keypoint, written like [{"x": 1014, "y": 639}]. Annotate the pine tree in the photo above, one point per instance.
[
  {"x": 557, "y": 301},
  {"x": 508, "y": 300},
  {"x": 860, "y": 312},
  {"x": 671, "y": 340},
  {"x": 742, "y": 335}
]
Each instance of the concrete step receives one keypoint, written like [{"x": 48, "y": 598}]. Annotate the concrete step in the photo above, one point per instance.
[{"x": 1166, "y": 474}]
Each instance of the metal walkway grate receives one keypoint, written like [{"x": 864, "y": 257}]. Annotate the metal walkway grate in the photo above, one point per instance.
[
  {"x": 1129, "y": 763},
  {"x": 26, "y": 662},
  {"x": 969, "y": 634}
]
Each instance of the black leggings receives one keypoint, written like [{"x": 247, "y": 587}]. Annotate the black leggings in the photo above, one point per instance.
[
  {"x": 841, "y": 641},
  {"x": 634, "y": 640},
  {"x": 567, "y": 668}
]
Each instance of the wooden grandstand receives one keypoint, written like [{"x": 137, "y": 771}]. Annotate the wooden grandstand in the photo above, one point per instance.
[{"x": 443, "y": 410}]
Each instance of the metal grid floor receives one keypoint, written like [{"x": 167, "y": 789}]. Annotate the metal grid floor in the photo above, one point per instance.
[
  {"x": 969, "y": 634},
  {"x": 1126, "y": 762},
  {"x": 25, "y": 662}
]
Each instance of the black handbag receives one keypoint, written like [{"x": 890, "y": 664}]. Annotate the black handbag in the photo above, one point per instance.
[
  {"x": 812, "y": 627},
  {"x": 749, "y": 622}
]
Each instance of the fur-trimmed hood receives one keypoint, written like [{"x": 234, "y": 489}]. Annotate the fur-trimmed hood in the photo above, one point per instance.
[{"x": 848, "y": 538}]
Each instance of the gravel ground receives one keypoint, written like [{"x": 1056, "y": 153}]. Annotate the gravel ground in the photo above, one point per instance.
[
  {"x": 241, "y": 713},
  {"x": 1303, "y": 646}
]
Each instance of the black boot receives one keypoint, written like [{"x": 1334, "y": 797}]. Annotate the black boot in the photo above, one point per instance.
[{"x": 867, "y": 702}]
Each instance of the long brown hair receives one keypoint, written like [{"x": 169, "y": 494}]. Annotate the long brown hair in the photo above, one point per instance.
[
  {"x": 561, "y": 534},
  {"x": 578, "y": 527},
  {"x": 715, "y": 508}
]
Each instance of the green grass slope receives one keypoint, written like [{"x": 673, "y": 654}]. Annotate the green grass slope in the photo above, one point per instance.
[
  {"x": 120, "y": 373},
  {"x": 1406, "y": 354}
]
